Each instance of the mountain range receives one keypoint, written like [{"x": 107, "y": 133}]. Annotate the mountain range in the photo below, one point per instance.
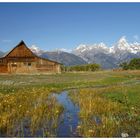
[
  {"x": 107, "y": 57},
  {"x": 68, "y": 59}
]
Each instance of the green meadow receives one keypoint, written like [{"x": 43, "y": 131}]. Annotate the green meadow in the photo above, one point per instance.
[{"x": 108, "y": 101}]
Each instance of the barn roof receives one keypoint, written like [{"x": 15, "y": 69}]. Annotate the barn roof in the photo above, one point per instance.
[
  {"x": 20, "y": 43},
  {"x": 23, "y": 43}
]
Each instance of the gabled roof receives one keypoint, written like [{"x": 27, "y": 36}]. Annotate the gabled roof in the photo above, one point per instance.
[
  {"x": 20, "y": 43},
  {"x": 23, "y": 43}
]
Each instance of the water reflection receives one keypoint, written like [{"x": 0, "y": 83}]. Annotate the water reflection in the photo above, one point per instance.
[{"x": 69, "y": 118}]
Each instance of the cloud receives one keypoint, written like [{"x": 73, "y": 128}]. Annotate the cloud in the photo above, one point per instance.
[
  {"x": 6, "y": 40},
  {"x": 63, "y": 49},
  {"x": 136, "y": 37}
]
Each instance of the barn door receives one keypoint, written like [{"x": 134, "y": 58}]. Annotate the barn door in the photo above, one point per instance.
[{"x": 13, "y": 68}]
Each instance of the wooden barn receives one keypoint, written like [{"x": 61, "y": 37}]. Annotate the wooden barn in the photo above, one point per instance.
[{"x": 22, "y": 60}]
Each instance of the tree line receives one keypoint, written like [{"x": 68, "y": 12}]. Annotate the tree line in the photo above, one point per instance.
[
  {"x": 86, "y": 67},
  {"x": 134, "y": 64}
]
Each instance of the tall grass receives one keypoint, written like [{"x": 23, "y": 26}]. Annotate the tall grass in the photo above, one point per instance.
[
  {"x": 102, "y": 117},
  {"x": 29, "y": 113}
]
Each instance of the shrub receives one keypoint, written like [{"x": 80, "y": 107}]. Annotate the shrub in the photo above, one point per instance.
[
  {"x": 87, "y": 67},
  {"x": 132, "y": 65}
]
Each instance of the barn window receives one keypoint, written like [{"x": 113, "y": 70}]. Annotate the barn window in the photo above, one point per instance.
[
  {"x": 14, "y": 65},
  {"x": 29, "y": 64}
]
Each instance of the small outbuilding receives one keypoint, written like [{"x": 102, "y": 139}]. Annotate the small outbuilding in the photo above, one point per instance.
[{"x": 22, "y": 60}]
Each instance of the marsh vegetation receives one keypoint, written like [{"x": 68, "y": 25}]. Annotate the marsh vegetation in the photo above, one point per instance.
[
  {"x": 106, "y": 104},
  {"x": 28, "y": 113},
  {"x": 108, "y": 115}
]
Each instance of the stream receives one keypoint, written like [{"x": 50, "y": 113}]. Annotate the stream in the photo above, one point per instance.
[
  {"x": 69, "y": 118},
  {"x": 67, "y": 123}
]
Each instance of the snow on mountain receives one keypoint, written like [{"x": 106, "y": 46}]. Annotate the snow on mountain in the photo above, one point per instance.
[
  {"x": 60, "y": 55},
  {"x": 108, "y": 57},
  {"x": 135, "y": 47},
  {"x": 36, "y": 50},
  {"x": 62, "y": 50},
  {"x": 68, "y": 59},
  {"x": 95, "y": 48},
  {"x": 121, "y": 51},
  {"x": 122, "y": 44}
]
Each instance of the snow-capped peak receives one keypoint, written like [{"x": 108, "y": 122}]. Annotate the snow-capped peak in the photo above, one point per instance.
[
  {"x": 122, "y": 40},
  {"x": 36, "y": 50},
  {"x": 102, "y": 45},
  {"x": 121, "y": 46},
  {"x": 81, "y": 48}
]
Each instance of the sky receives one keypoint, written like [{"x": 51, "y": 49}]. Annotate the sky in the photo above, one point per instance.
[{"x": 52, "y": 26}]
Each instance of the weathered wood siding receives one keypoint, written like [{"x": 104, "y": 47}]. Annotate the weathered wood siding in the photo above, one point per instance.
[
  {"x": 3, "y": 68},
  {"x": 22, "y": 67},
  {"x": 44, "y": 65},
  {"x": 21, "y": 52}
]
